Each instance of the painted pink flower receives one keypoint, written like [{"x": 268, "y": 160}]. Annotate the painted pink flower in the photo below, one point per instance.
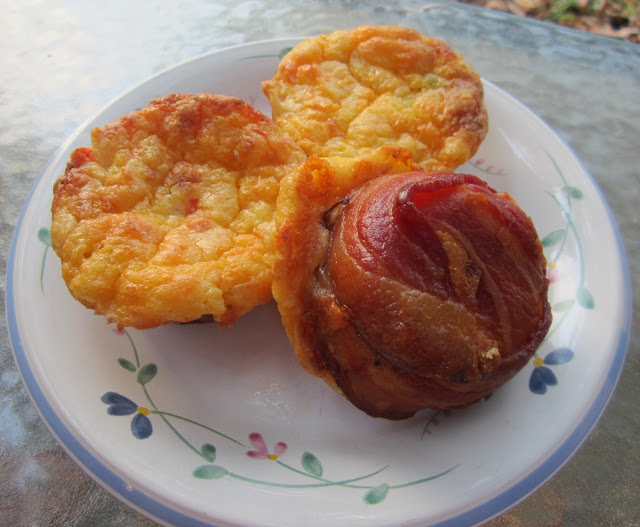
[{"x": 261, "y": 451}]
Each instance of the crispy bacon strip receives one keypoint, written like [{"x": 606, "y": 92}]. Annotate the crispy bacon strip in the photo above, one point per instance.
[{"x": 440, "y": 285}]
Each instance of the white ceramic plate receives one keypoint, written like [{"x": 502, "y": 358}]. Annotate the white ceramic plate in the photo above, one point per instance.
[{"x": 189, "y": 404}]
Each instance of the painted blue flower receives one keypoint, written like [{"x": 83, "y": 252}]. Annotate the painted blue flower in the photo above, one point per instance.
[
  {"x": 120, "y": 405},
  {"x": 542, "y": 376}
]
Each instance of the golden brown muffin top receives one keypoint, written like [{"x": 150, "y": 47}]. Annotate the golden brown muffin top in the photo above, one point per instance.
[
  {"x": 168, "y": 216},
  {"x": 351, "y": 91}
]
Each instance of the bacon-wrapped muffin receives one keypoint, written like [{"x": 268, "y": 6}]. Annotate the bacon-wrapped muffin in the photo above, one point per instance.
[
  {"x": 417, "y": 290},
  {"x": 350, "y": 91},
  {"x": 168, "y": 215}
]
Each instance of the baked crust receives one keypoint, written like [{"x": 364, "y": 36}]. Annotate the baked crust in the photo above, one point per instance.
[
  {"x": 346, "y": 92},
  {"x": 168, "y": 216}
]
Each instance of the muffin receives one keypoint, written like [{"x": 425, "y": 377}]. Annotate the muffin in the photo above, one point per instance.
[
  {"x": 348, "y": 92},
  {"x": 415, "y": 290},
  {"x": 168, "y": 216}
]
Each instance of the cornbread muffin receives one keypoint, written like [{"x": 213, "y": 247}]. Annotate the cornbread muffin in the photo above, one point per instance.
[
  {"x": 416, "y": 290},
  {"x": 349, "y": 91},
  {"x": 168, "y": 216}
]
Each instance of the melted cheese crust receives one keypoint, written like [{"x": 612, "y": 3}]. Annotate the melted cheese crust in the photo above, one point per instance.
[
  {"x": 168, "y": 216},
  {"x": 347, "y": 92}
]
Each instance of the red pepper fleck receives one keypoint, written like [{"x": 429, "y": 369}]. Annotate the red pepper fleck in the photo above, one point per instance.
[{"x": 193, "y": 206}]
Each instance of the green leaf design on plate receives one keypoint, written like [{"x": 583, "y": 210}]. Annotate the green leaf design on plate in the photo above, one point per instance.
[
  {"x": 312, "y": 464},
  {"x": 585, "y": 298},
  {"x": 312, "y": 469},
  {"x": 210, "y": 472},
  {"x": 552, "y": 238},
  {"x": 376, "y": 494},
  {"x": 564, "y": 305},
  {"x": 574, "y": 192},
  {"x": 147, "y": 372},
  {"x": 208, "y": 452},
  {"x": 127, "y": 364},
  {"x": 44, "y": 235},
  {"x": 284, "y": 51}
]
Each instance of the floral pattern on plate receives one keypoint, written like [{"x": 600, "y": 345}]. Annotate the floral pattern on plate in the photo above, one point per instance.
[{"x": 310, "y": 466}]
